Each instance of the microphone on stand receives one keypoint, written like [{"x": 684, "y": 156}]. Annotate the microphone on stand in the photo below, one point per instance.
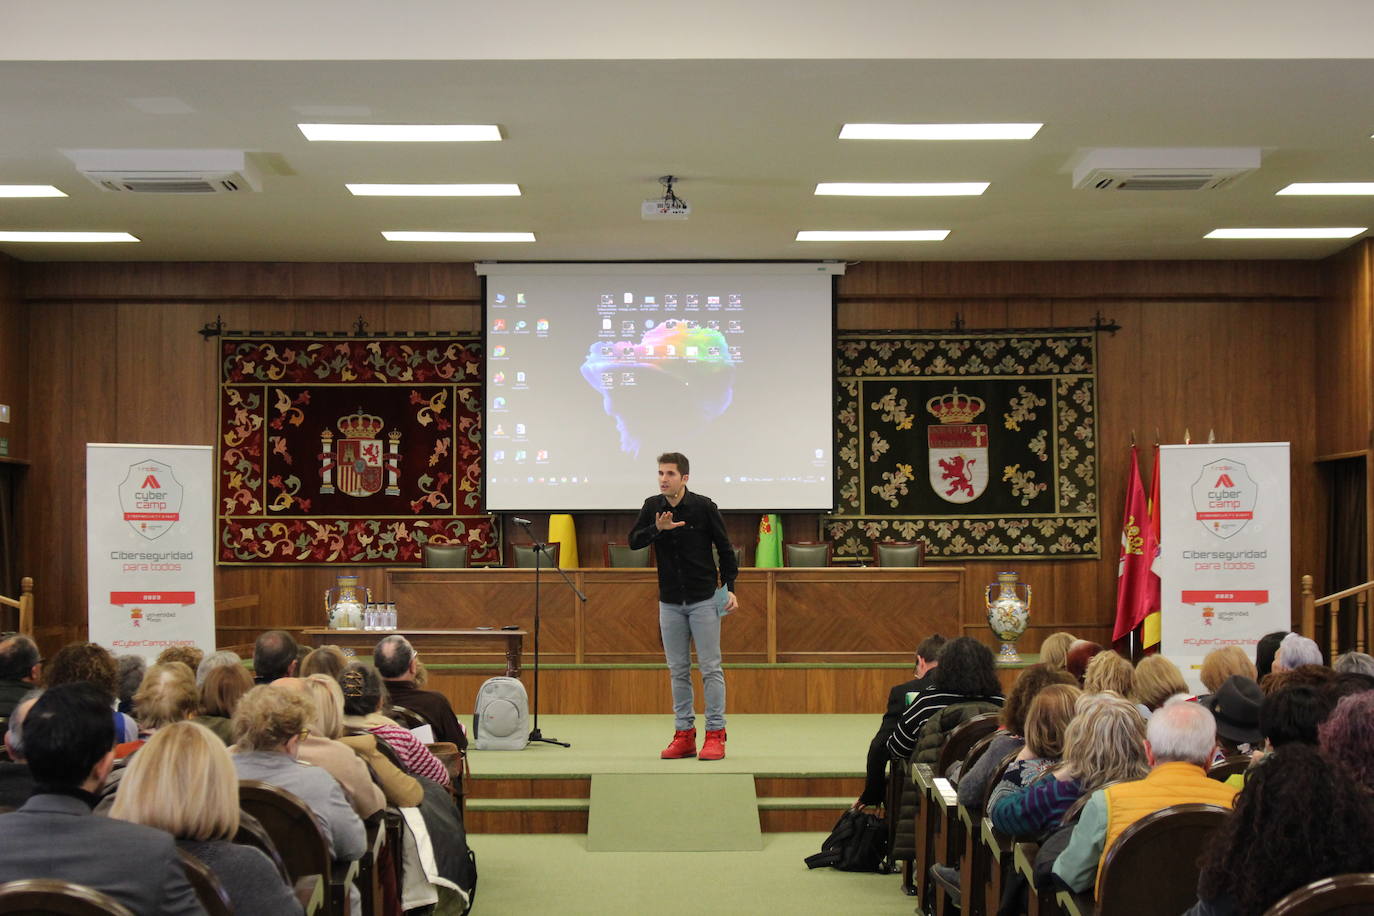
[{"x": 522, "y": 521}]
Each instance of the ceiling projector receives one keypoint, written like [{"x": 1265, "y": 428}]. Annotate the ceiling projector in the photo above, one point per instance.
[{"x": 660, "y": 208}]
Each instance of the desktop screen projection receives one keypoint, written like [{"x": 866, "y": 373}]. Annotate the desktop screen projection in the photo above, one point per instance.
[{"x": 593, "y": 370}]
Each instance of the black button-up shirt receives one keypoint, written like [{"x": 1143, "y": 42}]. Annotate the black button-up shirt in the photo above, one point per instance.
[{"x": 686, "y": 569}]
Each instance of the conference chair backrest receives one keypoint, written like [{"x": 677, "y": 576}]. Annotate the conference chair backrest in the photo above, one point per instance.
[
  {"x": 899, "y": 553},
  {"x": 214, "y": 899},
  {"x": 806, "y": 553},
  {"x": 1236, "y": 763},
  {"x": 407, "y": 718},
  {"x": 522, "y": 556},
  {"x": 978, "y": 749},
  {"x": 291, "y": 825},
  {"x": 623, "y": 556},
  {"x": 252, "y": 833},
  {"x": 1001, "y": 768},
  {"x": 963, "y": 738},
  {"x": 1167, "y": 842},
  {"x": 58, "y": 898},
  {"x": 1343, "y": 895},
  {"x": 445, "y": 556},
  {"x": 739, "y": 556}
]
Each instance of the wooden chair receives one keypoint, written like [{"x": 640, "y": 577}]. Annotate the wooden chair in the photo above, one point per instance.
[
  {"x": 806, "y": 553},
  {"x": 1167, "y": 842},
  {"x": 1343, "y": 895},
  {"x": 975, "y": 866},
  {"x": 369, "y": 866},
  {"x": 944, "y": 839},
  {"x": 50, "y": 897},
  {"x": 899, "y": 553},
  {"x": 739, "y": 555},
  {"x": 522, "y": 556},
  {"x": 623, "y": 556},
  {"x": 303, "y": 847},
  {"x": 252, "y": 833},
  {"x": 1237, "y": 763},
  {"x": 406, "y": 718},
  {"x": 445, "y": 556},
  {"x": 23, "y": 604},
  {"x": 1000, "y": 854},
  {"x": 1038, "y": 902},
  {"x": 211, "y": 894}
]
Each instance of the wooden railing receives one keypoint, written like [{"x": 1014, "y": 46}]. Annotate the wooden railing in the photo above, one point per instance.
[
  {"x": 24, "y": 604},
  {"x": 1332, "y": 603}
]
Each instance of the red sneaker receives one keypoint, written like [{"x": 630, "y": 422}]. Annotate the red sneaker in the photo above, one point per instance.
[
  {"x": 713, "y": 748},
  {"x": 684, "y": 744}
]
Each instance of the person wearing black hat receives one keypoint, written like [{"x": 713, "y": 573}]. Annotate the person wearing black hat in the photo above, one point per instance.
[{"x": 1236, "y": 707}]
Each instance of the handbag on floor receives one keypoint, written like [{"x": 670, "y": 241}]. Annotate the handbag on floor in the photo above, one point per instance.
[{"x": 857, "y": 842}]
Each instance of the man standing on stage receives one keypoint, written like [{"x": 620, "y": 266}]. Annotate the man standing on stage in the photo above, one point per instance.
[{"x": 683, "y": 527}]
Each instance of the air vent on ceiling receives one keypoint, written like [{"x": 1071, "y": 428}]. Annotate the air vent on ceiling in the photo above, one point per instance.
[
  {"x": 168, "y": 171},
  {"x": 1163, "y": 169}
]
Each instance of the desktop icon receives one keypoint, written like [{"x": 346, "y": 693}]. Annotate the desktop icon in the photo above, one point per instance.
[
  {"x": 519, "y": 378},
  {"x": 519, "y": 298},
  {"x": 520, "y": 429},
  {"x": 500, "y": 298},
  {"x": 499, "y": 378},
  {"x": 498, "y": 352},
  {"x": 542, "y": 324},
  {"x": 498, "y": 324},
  {"x": 499, "y": 404},
  {"x": 520, "y": 325}
]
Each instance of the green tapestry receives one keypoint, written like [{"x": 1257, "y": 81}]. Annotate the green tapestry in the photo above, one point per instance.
[{"x": 980, "y": 445}]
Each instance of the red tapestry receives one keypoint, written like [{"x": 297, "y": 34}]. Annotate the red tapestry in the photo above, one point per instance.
[{"x": 350, "y": 451}]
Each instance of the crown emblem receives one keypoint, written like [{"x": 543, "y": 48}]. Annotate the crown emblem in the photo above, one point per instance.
[
  {"x": 955, "y": 407},
  {"x": 360, "y": 425}
]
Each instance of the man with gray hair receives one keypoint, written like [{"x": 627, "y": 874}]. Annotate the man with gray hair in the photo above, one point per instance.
[
  {"x": 1179, "y": 741},
  {"x": 1354, "y": 663},
  {"x": 16, "y": 782},
  {"x": 1295, "y": 651},
  {"x": 21, "y": 668},
  {"x": 397, "y": 661}
]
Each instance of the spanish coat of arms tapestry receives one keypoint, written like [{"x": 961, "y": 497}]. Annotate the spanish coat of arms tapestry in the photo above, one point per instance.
[
  {"x": 350, "y": 450},
  {"x": 980, "y": 445}
]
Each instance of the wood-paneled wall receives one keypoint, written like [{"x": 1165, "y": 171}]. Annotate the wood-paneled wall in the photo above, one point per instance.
[
  {"x": 1226, "y": 346},
  {"x": 14, "y": 361},
  {"x": 1345, "y": 363}
]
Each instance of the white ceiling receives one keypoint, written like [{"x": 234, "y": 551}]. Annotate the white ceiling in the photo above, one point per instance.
[{"x": 749, "y": 137}]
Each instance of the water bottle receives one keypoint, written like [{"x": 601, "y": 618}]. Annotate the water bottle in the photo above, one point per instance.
[
  {"x": 391, "y": 615},
  {"x": 370, "y": 617}
]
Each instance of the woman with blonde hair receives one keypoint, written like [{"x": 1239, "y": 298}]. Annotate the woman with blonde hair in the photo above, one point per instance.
[
  {"x": 1156, "y": 679},
  {"x": 183, "y": 782},
  {"x": 1108, "y": 671},
  {"x": 318, "y": 748},
  {"x": 1103, "y": 744},
  {"x": 1054, "y": 651},
  {"x": 224, "y": 685},
  {"x": 399, "y": 788},
  {"x": 269, "y": 726},
  {"x": 329, "y": 660},
  {"x": 167, "y": 694},
  {"x": 1219, "y": 664}
]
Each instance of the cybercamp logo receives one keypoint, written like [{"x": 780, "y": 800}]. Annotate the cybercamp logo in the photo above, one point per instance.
[
  {"x": 1224, "y": 497},
  {"x": 150, "y": 496}
]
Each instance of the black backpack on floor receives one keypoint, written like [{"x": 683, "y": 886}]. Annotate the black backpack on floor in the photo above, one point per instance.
[{"x": 857, "y": 842}]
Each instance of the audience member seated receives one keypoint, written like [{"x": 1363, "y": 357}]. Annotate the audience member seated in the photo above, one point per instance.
[
  {"x": 1296, "y": 651},
  {"x": 168, "y": 694},
  {"x": 1299, "y": 819},
  {"x": 966, "y": 680},
  {"x": 1179, "y": 741},
  {"x": 1347, "y": 737},
  {"x": 1265, "y": 650},
  {"x": 131, "y": 669},
  {"x": 1108, "y": 671},
  {"x": 1318, "y": 676},
  {"x": 183, "y": 781},
  {"x": 21, "y": 668},
  {"x": 86, "y": 661},
  {"x": 189, "y": 656},
  {"x": 898, "y": 698},
  {"x": 400, "y": 788},
  {"x": 269, "y": 726},
  {"x": 1236, "y": 708},
  {"x": 1103, "y": 744},
  {"x": 396, "y": 660},
  {"x": 1054, "y": 651},
  {"x": 1081, "y": 652},
  {"x": 1156, "y": 680},
  {"x": 222, "y": 658},
  {"x": 1293, "y": 715},
  {"x": 328, "y": 660},
  {"x": 1219, "y": 664},
  {"x": 224, "y": 686},
  {"x": 364, "y": 696},
  {"x": 1346, "y": 683},
  {"x": 1011, "y": 730},
  {"x": 274, "y": 655},
  {"x": 69, "y": 737},
  {"x": 1354, "y": 663},
  {"x": 16, "y": 782},
  {"x": 319, "y": 749}
]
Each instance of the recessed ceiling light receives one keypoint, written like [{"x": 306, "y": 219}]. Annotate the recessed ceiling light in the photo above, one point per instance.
[
  {"x": 401, "y": 133},
  {"x": 1314, "y": 232},
  {"x": 29, "y": 190},
  {"x": 1328, "y": 188},
  {"x": 939, "y": 131},
  {"x": 872, "y": 235},
  {"x": 66, "y": 237},
  {"x": 901, "y": 189},
  {"x": 434, "y": 190},
  {"x": 392, "y": 236}
]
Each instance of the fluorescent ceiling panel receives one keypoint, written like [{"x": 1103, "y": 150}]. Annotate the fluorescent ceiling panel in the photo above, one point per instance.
[
  {"x": 66, "y": 237},
  {"x": 29, "y": 190},
  {"x": 1328, "y": 188},
  {"x": 939, "y": 131},
  {"x": 901, "y": 188},
  {"x": 434, "y": 190},
  {"x": 1310, "y": 232},
  {"x": 407, "y": 236},
  {"x": 872, "y": 235},
  {"x": 401, "y": 133}
]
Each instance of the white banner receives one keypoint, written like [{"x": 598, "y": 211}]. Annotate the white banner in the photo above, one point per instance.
[
  {"x": 150, "y": 547},
  {"x": 1224, "y": 564}
]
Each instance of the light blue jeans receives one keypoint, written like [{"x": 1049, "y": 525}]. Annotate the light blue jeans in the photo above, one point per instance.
[{"x": 682, "y": 625}]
